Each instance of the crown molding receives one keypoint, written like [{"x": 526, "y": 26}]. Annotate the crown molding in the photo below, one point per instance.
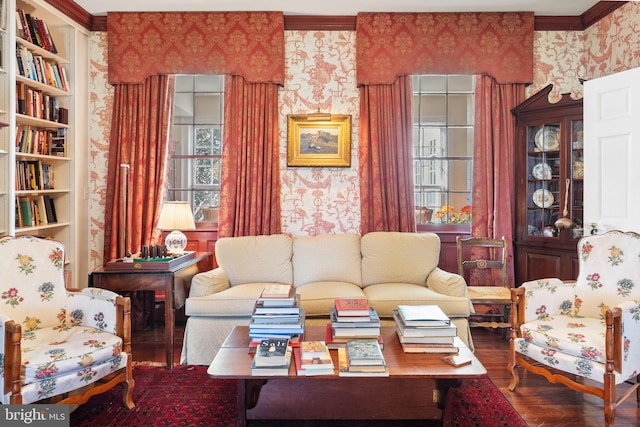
[
  {"x": 74, "y": 11},
  {"x": 348, "y": 23},
  {"x": 577, "y": 23}
]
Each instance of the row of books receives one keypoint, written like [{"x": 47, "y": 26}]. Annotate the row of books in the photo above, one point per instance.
[
  {"x": 272, "y": 358},
  {"x": 35, "y": 211},
  {"x": 425, "y": 329},
  {"x": 35, "y": 103},
  {"x": 361, "y": 357},
  {"x": 47, "y": 142},
  {"x": 352, "y": 318},
  {"x": 34, "y": 30},
  {"x": 32, "y": 175},
  {"x": 313, "y": 358},
  {"x": 35, "y": 67},
  {"x": 277, "y": 313}
]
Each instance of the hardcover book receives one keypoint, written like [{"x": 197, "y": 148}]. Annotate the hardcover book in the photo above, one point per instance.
[
  {"x": 313, "y": 349},
  {"x": 271, "y": 352},
  {"x": 372, "y": 332},
  {"x": 423, "y": 315},
  {"x": 345, "y": 371},
  {"x": 423, "y": 331},
  {"x": 270, "y": 371},
  {"x": 364, "y": 352},
  {"x": 334, "y": 342},
  {"x": 316, "y": 366},
  {"x": 352, "y": 307},
  {"x": 425, "y": 340},
  {"x": 457, "y": 360},
  {"x": 289, "y": 308},
  {"x": 268, "y": 299},
  {"x": 429, "y": 348},
  {"x": 353, "y": 321},
  {"x": 277, "y": 290}
]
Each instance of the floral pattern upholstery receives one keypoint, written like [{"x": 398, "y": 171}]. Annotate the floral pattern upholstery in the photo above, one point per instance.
[
  {"x": 68, "y": 338},
  {"x": 564, "y": 325}
]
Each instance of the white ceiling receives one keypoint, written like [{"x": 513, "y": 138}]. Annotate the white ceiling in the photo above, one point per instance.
[{"x": 343, "y": 7}]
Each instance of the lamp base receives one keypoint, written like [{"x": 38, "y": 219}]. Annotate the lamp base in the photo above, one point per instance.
[{"x": 176, "y": 242}]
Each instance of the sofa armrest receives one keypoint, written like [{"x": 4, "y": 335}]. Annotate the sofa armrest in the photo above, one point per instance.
[
  {"x": 209, "y": 282},
  {"x": 447, "y": 283}
]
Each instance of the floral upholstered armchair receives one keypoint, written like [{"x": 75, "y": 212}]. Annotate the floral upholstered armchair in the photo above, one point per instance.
[
  {"x": 589, "y": 329},
  {"x": 58, "y": 346}
]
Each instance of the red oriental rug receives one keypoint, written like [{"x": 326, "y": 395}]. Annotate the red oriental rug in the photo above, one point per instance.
[{"x": 186, "y": 396}]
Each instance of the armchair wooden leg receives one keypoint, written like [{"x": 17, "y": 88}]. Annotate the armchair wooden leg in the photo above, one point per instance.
[
  {"x": 609, "y": 399},
  {"x": 127, "y": 398}
]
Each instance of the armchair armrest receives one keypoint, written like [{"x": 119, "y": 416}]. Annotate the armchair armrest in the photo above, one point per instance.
[
  {"x": 546, "y": 297},
  {"x": 10, "y": 350},
  {"x": 93, "y": 307},
  {"x": 626, "y": 338},
  {"x": 209, "y": 282}
]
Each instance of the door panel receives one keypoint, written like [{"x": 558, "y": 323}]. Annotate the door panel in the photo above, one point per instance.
[{"x": 612, "y": 152}]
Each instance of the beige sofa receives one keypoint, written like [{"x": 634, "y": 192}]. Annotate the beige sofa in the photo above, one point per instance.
[{"x": 387, "y": 268}]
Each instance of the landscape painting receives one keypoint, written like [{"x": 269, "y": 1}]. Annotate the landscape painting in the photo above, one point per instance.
[{"x": 322, "y": 141}]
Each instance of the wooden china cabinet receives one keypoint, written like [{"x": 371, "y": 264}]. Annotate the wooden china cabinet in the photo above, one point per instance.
[{"x": 549, "y": 176}]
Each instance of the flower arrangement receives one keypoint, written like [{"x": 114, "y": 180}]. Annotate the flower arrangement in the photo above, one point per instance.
[{"x": 448, "y": 215}]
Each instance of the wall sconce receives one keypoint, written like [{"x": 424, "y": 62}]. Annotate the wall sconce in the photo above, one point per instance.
[{"x": 176, "y": 216}]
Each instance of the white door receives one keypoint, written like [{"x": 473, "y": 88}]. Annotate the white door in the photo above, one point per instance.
[{"x": 612, "y": 152}]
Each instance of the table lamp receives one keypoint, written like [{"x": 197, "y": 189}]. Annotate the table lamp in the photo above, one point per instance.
[{"x": 176, "y": 216}]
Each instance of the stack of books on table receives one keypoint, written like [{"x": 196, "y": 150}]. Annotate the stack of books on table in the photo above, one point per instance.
[
  {"x": 362, "y": 358},
  {"x": 313, "y": 358},
  {"x": 277, "y": 314},
  {"x": 424, "y": 329},
  {"x": 272, "y": 358},
  {"x": 352, "y": 318}
]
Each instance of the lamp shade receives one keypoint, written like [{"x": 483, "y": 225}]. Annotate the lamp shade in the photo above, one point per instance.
[{"x": 176, "y": 216}]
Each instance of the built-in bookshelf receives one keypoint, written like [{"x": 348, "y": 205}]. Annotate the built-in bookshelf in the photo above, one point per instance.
[
  {"x": 5, "y": 145},
  {"x": 43, "y": 148}
]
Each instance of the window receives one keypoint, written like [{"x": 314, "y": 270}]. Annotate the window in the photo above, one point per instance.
[
  {"x": 443, "y": 115},
  {"x": 195, "y": 162}
]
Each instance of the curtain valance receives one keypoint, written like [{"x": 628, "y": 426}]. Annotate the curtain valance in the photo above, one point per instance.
[
  {"x": 249, "y": 44},
  {"x": 394, "y": 44}
]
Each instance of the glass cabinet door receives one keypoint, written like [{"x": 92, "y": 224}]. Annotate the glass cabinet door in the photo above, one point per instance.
[
  {"x": 543, "y": 181},
  {"x": 577, "y": 175}
]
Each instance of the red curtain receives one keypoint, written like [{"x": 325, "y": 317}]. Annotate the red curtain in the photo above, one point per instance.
[
  {"x": 386, "y": 157},
  {"x": 140, "y": 132},
  {"x": 250, "y": 191},
  {"x": 494, "y": 161}
]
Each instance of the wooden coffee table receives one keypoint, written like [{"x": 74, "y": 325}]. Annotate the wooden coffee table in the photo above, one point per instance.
[{"x": 415, "y": 389}]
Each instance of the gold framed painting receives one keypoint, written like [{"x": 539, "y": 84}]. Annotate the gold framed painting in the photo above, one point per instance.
[{"x": 319, "y": 140}]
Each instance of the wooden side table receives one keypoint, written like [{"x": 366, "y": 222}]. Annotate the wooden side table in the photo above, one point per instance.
[{"x": 174, "y": 281}]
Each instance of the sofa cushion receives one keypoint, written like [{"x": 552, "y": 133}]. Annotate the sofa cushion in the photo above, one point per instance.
[
  {"x": 250, "y": 259},
  {"x": 318, "y": 297},
  {"x": 234, "y": 301},
  {"x": 384, "y": 297},
  {"x": 397, "y": 257},
  {"x": 329, "y": 257}
]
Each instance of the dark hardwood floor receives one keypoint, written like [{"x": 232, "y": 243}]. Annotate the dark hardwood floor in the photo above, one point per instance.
[{"x": 539, "y": 402}]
